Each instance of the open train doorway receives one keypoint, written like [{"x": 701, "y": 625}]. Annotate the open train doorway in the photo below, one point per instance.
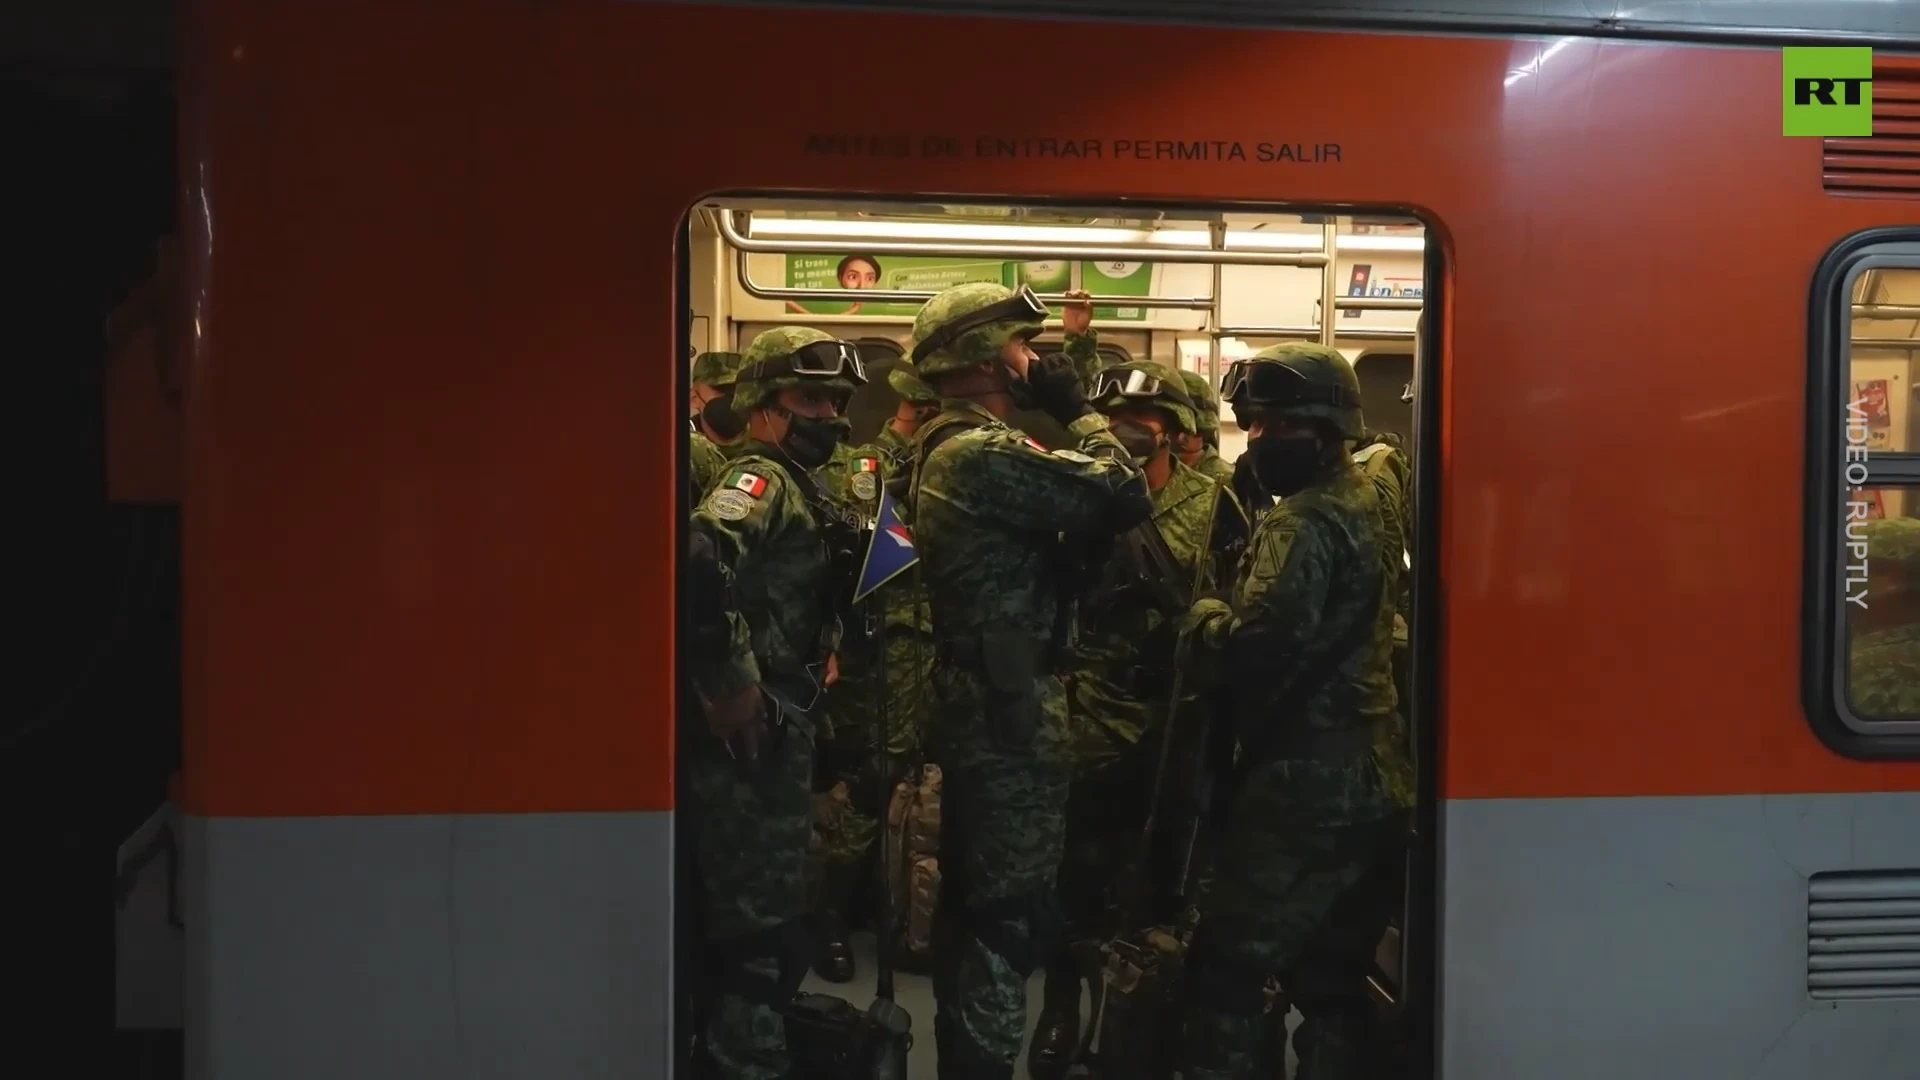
[{"x": 1131, "y": 295}]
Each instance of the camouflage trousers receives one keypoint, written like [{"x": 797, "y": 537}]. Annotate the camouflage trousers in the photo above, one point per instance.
[
  {"x": 1304, "y": 899},
  {"x": 852, "y": 757},
  {"x": 1106, "y": 809},
  {"x": 1115, "y": 745},
  {"x": 749, "y": 837},
  {"x": 1003, "y": 808}
]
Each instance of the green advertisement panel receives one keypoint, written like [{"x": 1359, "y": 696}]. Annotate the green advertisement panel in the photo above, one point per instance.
[
  {"x": 854, "y": 273},
  {"x": 1117, "y": 279}
]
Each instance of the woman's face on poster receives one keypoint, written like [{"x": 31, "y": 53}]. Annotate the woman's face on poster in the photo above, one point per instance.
[{"x": 859, "y": 274}]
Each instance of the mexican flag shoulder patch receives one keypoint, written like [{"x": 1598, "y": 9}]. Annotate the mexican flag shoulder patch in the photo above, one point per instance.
[{"x": 752, "y": 483}]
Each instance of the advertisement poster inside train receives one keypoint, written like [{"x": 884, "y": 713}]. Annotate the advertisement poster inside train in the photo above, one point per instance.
[
  {"x": 1116, "y": 279},
  {"x": 1876, "y": 407},
  {"x": 855, "y": 272},
  {"x": 1357, "y": 286}
]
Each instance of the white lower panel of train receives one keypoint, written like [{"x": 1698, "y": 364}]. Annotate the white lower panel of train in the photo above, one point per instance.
[{"x": 1652, "y": 938}]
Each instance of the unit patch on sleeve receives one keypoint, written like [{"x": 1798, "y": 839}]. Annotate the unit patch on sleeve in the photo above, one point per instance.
[
  {"x": 864, "y": 485},
  {"x": 753, "y": 484},
  {"x": 729, "y": 504}
]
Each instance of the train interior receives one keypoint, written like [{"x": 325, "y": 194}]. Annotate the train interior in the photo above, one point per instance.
[
  {"x": 1187, "y": 289},
  {"x": 1885, "y": 360}
]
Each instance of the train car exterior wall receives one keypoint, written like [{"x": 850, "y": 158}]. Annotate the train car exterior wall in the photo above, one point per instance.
[{"x": 430, "y": 456}]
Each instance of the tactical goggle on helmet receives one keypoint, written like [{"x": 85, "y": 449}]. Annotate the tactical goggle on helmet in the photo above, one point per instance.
[
  {"x": 1022, "y": 306},
  {"x": 1267, "y": 384},
  {"x": 1133, "y": 384},
  {"x": 820, "y": 360}
]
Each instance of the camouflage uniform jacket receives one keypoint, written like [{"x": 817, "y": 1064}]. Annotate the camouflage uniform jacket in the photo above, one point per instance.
[
  {"x": 1384, "y": 462},
  {"x": 778, "y": 615},
  {"x": 706, "y": 460},
  {"x": 1125, "y": 645},
  {"x": 990, "y": 506},
  {"x": 1084, "y": 351},
  {"x": 1214, "y": 467},
  {"x": 1312, "y": 579},
  {"x": 901, "y": 602}
]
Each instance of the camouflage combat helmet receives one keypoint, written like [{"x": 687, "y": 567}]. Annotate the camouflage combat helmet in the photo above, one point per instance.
[
  {"x": 967, "y": 325},
  {"x": 1143, "y": 382},
  {"x": 1205, "y": 405},
  {"x": 907, "y": 383},
  {"x": 788, "y": 356},
  {"x": 1299, "y": 381},
  {"x": 716, "y": 369}
]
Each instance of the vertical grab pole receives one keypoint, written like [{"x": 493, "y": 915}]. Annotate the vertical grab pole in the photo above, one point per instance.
[
  {"x": 1329, "y": 231},
  {"x": 1216, "y": 238}
]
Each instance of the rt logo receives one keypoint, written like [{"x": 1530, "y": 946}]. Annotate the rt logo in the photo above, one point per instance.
[{"x": 1826, "y": 91}]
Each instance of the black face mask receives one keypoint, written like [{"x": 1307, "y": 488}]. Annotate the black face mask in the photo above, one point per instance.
[
  {"x": 721, "y": 419},
  {"x": 1140, "y": 440},
  {"x": 810, "y": 439},
  {"x": 1284, "y": 466}
]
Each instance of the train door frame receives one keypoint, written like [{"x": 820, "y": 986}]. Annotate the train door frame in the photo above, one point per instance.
[{"x": 1420, "y": 956}]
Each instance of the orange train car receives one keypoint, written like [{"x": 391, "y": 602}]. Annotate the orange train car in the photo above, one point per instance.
[{"x": 432, "y": 428}]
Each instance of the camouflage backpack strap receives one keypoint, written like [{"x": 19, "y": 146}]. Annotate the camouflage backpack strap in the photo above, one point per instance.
[
  {"x": 841, "y": 532},
  {"x": 1367, "y": 453},
  {"x": 936, "y": 431}
]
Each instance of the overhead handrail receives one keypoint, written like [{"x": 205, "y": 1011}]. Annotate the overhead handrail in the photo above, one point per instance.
[
  {"x": 1886, "y": 311},
  {"x": 1378, "y": 303},
  {"x": 915, "y": 296},
  {"x": 1394, "y": 332},
  {"x": 1004, "y": 250}
]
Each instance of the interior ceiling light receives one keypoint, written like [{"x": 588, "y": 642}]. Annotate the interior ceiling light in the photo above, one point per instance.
[{"x": 853, "y": 232}]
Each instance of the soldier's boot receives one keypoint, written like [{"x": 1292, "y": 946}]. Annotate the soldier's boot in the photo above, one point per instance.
[
  {"x": 833, "y": 960},
  {"x": 1058, "y": 1035}
]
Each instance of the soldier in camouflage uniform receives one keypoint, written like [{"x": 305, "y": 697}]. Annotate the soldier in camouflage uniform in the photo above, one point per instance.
[
  {"x": 1323, "y": 788},
  {"x": 765, "y": 552},
  {"x": 872, "y": 689},
  {"x": 1883, "y": 650},
  {"x": 1202, "y": 451},
  {"x": 1383, "y": 461},
  {"x": 717, "y": 426},
  {"x": 1002, "y": 526},
  {"x": 1122, "y": 679}
]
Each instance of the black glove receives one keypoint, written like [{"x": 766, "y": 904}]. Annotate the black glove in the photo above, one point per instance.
[
  {"x": 1056, "y": 388},
  {"x": 1253, "y": 497}
]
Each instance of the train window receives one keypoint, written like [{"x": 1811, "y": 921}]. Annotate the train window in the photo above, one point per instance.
[
  {"x": 1863, "y": 585},
  {"x": 1383, "y": 376},
  {"x": 1883, "y": 631},
  {"x": 875, "y": 402}
]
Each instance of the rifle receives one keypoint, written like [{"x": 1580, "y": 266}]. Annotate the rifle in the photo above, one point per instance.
[
  {"x": 1136, "y": 972},
  {"x": 827, "y": 1038},
  {"x": 1154, "y": 569}
]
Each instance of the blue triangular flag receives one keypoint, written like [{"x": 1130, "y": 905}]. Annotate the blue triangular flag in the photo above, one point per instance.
[{"x": 889, "y": 553}]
